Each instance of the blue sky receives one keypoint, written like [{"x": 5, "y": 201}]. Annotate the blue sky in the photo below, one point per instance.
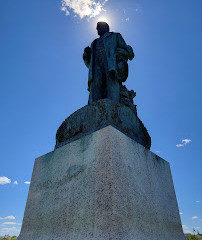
[{"x": 43, "y": 80}]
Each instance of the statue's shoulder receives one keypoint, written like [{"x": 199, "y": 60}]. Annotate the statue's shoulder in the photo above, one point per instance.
[
  {"x": 116, "y": 34},
  {"x": 93, "y": 42},
  {"x": 111, "y": 34},
  {"x": 119, "y": 35}
]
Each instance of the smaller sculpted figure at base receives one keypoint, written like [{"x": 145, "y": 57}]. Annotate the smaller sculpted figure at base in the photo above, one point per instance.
[
  {"x": 107, "y": 62},
  {"x": 126, "y": 97}
]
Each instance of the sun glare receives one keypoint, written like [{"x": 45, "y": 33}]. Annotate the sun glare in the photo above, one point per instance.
[{"x": 103, "y": 19}]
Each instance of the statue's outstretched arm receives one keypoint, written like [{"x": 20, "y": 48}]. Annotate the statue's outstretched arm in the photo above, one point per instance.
[
  {"x": 87, "y": 56},
  {"x": 128, "y": 49}
]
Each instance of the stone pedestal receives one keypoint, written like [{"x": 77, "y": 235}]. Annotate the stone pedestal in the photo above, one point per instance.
[
  {"x": 102, "y": 186},
  {"x": 100, "y": 114}
]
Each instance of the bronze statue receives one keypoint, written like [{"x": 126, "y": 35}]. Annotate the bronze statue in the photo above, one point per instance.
[
  {"x": 107, "y": 62},
  {"x": 110, "y": 102}
]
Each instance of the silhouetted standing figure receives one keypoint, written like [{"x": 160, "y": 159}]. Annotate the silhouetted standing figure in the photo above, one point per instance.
[{"x": 107, "y": 62}]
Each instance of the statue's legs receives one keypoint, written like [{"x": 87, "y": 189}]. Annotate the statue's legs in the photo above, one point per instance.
[
  {"x": 113, "y": 88},
  {"x": 104, "y": 85},
  {"x": 98, "y": 86}
]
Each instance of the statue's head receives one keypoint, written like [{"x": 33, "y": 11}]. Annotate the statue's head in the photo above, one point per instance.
[{"x": 102, "y": 28}]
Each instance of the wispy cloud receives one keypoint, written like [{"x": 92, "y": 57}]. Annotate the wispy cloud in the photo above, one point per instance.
[
  {"x": 127, "y": 19},
  {"x": 197, "y": 201},
  {"x": 15, "y": 182},
  {"x": 196, "y": 227},
  {"x": 27, "y": 182},
  {"x": 9, "y": 223},
  {"x": 83, "y": 8},
  {"x": 13, "y": 229},
  {"x": 185, "y": 229},
  {"x": 195, "y": 217},
  {"x": 184, "y": 142},
  {"x": 4, "y": 180},
  {"x": 138, "y": 9},
  {"x": 8, "y": 217},
  {"x": 180, "y": 145}
]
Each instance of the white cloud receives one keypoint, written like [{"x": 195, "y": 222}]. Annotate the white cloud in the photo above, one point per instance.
[
  {"x": 179, "y": 145},
  {"x": 9, "y": 229},
  {"x": 185, "y": 229},
  {"x": 27, "y": 182},
  {"x": 197, "y": 201},
  {"x": 83, "y": 8},
  {"x": 64, "y": 9},
  {"x": 194, "y": 217},
  {"x": 8, "y": 217},
  {"x": 9, "y": 223},
  {"x": 127, "y": 19},
  {"x": 12, "y": 229},
  {"x": 4, "y": 180},
  {"x": 181, "y": 213},
  {"x": 15, "y": 182},
  {"x": 184, "y": 142}
]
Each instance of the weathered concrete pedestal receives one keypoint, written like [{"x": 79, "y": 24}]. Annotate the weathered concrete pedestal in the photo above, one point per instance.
[{"x": 102, "y": 186}]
